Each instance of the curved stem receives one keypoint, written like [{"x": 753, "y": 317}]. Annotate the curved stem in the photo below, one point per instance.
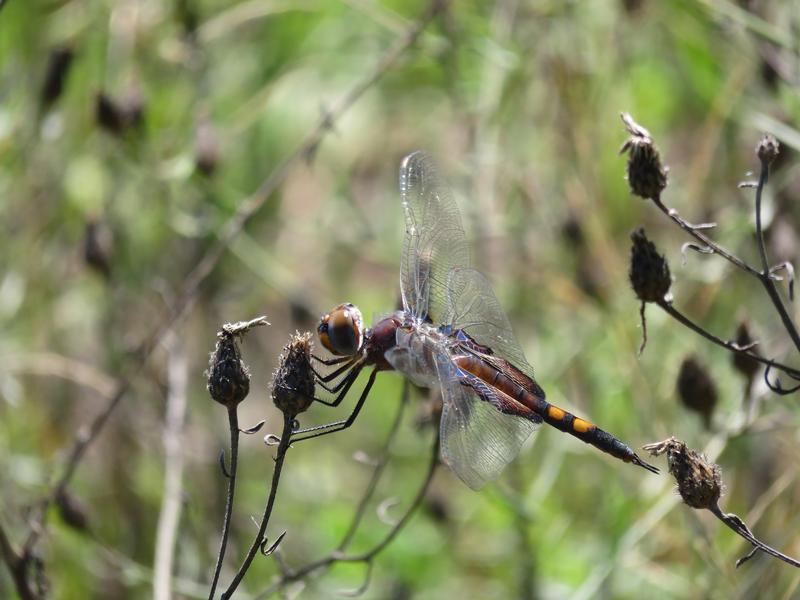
[
  {"x": 764, "y": 276},
  {"x": 705, "y": 240},
  {"x": 337, "y": 556},
  {"x": 684, "y": 320},
  {"x": 737, "y": 525},
  {"x": 283, "y": 446},
  {"x": 383, "y": 460},
  {"x": 233, "y": 420}
]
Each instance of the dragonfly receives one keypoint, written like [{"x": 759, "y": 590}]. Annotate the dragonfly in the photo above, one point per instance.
[{"x": 451, "y": 333}]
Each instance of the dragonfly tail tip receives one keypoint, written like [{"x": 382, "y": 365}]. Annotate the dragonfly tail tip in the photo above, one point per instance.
[{"x": 638, "y": 461}]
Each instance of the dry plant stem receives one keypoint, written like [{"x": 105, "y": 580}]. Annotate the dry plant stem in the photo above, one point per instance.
[
  {"x": 233, "y": 421},
  {"x": 17, "y": 566},
  {"x": 670, "y": 309},
  {"x": 247, "y": 209},
  {"x": 737, "y": 525},
  {"x": 705, "y": 240},
  {"x": 377, "y": 471},
  {"x": 766, "y": 279},
  {"x": 338, "y": 556},
  {"x": 763, "y": 275},
  {"x": 170, "y": 514},
  {"x": 283, "y": 446}
]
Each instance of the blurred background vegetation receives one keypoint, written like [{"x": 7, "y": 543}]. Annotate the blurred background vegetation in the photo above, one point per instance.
[{"x": 131, "y": 131}]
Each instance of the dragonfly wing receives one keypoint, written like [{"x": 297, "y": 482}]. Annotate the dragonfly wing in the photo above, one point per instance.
[
  {"x": 477, "y": 440},
  {"x": 473, "y": 308},
  {"x": 434, "y": 242}
]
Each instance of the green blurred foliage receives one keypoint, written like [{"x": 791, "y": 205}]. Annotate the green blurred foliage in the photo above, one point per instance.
[{"x": 519, "y": 101}]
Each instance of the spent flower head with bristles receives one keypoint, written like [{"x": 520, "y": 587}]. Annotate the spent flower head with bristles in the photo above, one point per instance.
[
  {"x": 293, "y": 383},
  {"x": 649, "y": 272},
  {"x": 699, "y": 480},
  {"x": 228, "y": 375},
  {"x": 647, "y": 177},
  {"x": 696, "y": 389},
  {"x": 767, "y": 149}
]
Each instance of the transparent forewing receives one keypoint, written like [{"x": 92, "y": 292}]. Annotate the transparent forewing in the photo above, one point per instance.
[
  {"x": 434, "y": 241},
  {"x": 473, "y": 307},
  {"x": 477, "y": 440}
]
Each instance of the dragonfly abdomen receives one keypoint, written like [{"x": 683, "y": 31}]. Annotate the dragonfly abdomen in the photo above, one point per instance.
[{"x": 518, "y": 389}]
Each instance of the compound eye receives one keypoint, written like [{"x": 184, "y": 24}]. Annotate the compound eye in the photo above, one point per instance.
[{"x": 340, "y": 331}]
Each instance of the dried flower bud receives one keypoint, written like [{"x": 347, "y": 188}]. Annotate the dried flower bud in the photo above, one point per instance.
[
  {"x": 767, "y": 149},
  {"x": 108, "y": 114},
  {"x": 72, "y": 510},
  {"x": 120, "y": 117},
  {"x": 206, "y": 147},
  {"x": 647, "y": 177},
  {"x": 649, "y": 272},
  {"x": 98, "y": 244},
  {"x": 228, "y": 376},
  {"x": 742, "y": 363},
  {"x": 58, "y": 65},
  {"x": 293, "y": 383},
  {"x": 699, "y": 480},
  {"x": 696, "y": 389}
]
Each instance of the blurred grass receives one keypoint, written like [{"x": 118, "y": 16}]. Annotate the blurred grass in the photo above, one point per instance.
[{"x": 519, "y": 102}]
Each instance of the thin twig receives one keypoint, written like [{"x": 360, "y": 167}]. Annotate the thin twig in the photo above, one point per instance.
[
  {"x": 383, "y": 460},
  {"x": 233, "y": 421},
  {"x": 244, "y": 213},
  {"x": 705, "y": 240},
  {"x": 737, "y": 525},
  {"x": 283, "y": 446},
  {"x": 670, "y": 309},
  {"x": 169, "y": 517},
  {"x": 765, "y": 276},
  {"x": 17, "y": 566},
  {"x": 337, "y": 556}
]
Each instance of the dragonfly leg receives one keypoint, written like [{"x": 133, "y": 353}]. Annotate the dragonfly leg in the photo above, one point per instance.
[
  {"x": 333, "y": 375},
  {"x": 342, "y": 387},
  {"x": 331, "y": 361},
  {"x": 347, "y": 381},
  {"x": 320, "y": 430}
]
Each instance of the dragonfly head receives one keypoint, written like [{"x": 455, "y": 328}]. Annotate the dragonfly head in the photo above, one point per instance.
[{"x": 341, "y": 331}]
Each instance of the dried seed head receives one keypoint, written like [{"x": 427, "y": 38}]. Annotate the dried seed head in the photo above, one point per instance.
[
  {"x": 293, "y": 383},
  {"x": 699, "y": 480},
  {"x": 98, "y": 242},
  {"x": 228, "y": 376},
  {"x": 649, "y": 272},
  {"x": 647, "y": 177},
  {"x": 58, "y": 64},
  {"x": 742, "y": 363},
  {"x": 72, "y": 510},
  {"x": 696, "y": 389},
  {"x": 109, "y": 115},
  {"x": 767, "y": 149},
  {"x": 206, "y": 147}
]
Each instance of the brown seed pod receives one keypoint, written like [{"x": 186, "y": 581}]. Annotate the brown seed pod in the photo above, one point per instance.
[
  {"x": 293, "y": 383},
  {"x": 647, "y": 177},
  {"x": 228, "y": 376},
  {"x": 699, "y": 480},
  {"x": 767, "y": 149},
  {"x": 697, "y": 390},
  {"x": 58, "y": 65},
  {"x": 649, "y": 272}
]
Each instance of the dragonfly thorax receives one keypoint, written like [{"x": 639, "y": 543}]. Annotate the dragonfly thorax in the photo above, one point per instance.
[{"x": 417, "y": 346}]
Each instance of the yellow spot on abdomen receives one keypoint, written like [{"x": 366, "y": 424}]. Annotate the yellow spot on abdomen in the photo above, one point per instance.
[
  {"x": 581, "y": 426},
  {"x": 556, "y": 413}
]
